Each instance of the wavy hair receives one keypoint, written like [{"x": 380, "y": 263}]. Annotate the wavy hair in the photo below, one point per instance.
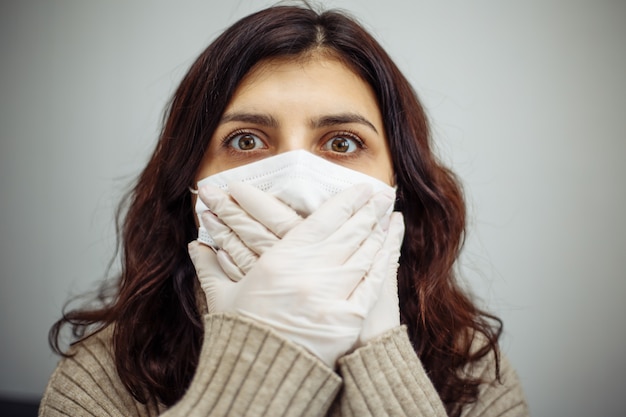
[{"x": 158, "y": 328}]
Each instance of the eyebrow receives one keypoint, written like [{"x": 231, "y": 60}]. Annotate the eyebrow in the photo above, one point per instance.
[
  {"x": 316, "y": 123},
  {"x": 342, "y": 118},
  {"x": 255, "y": 118}
]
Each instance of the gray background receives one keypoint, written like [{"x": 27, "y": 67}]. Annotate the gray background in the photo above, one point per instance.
[{"x": 527, "y": 102}]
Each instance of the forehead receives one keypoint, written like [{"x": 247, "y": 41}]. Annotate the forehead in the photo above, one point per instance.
[
  {"x": 310, "y": 77},
  {"x": 325, "y": 59}
]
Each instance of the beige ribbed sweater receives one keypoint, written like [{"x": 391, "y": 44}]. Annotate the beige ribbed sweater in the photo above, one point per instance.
[{"x": 245, "y": 369}]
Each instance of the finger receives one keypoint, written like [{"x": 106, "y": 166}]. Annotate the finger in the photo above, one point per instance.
[
  {"x": 368, "y": 290},
  {"x": 202, "y": 257},
  {"x": 330, "y": 216},
  {"x": 230, "y": 242},
  {"x": 366, "y": 257},
  {"x": 358, "y": 228},
  {"x": 228, "y": 266},
  {"x": 208, "y": 271},
  {"x": 275, "y": 215},
  {"x": 251, "y": 232},
  {"x": 213, "y": 197},
  {"x": 395, "y": 242},
  {"x": 355, "y": 268}
]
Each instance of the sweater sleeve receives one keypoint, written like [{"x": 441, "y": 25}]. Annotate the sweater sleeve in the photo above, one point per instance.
[
  {"x": 244, "y": 370},
  {"x": 386, "y": 378},
  {"x": 247, "y": 370}
]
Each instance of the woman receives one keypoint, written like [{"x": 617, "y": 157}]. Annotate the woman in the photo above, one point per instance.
[{"x": 293, "y": 312}]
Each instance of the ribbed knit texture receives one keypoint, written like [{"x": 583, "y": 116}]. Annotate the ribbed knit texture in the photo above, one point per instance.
[
  {"x": 386, "y": 378},
  {"x": 87, "y": 385},
  {"x": 245, "y": 369}
]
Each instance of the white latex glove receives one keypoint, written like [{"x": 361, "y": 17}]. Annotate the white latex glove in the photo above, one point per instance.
[
  {"x": 317, "y": 284},
  {"x": 250, "y": 217},
  {"x": 385, "y": 315},
  {"x": 244, "y": 226}
]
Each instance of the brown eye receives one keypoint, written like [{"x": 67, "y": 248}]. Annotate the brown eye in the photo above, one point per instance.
[
  {"x": 341, "y": 144},
  {"x": 246, "y": 142}
]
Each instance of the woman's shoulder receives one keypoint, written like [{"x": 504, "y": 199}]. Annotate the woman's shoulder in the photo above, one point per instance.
[
  {"x": 501, "y": 389},
  {"x": 90, "y": 359},
  {"x": 86, "y": 381},
  {"x": 99, "y": 340},
  {"x": 491, "y": 363}
]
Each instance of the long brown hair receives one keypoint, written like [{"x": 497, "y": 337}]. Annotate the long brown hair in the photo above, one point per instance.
[{"x": 158, "y": 329}]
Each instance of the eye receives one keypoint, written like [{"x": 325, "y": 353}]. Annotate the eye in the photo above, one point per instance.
[
  {"x": 245, "y": 142},
  {"x": 343, "y": 143}
]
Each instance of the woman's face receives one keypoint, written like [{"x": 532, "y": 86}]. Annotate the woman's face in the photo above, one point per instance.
[{"x": 316, "y": 104}]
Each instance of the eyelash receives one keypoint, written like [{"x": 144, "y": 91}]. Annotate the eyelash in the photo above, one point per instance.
[
  {"x": 346, "y": 133},
  {"x": 225, "y": 143}
]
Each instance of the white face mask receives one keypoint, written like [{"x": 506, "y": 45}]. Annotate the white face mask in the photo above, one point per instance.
[{"x": 298, "y": 178}]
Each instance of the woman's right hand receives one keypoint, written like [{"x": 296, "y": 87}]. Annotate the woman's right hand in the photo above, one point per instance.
[{"x": 316, "y": 285}]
